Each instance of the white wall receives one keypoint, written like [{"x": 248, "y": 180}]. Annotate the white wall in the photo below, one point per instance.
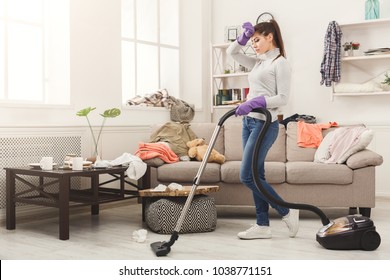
[{"x": 303, "y": 24}]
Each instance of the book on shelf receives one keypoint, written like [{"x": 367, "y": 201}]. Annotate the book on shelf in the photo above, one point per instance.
[
  {"x": 230, "y": 96},
  {"x": 377, "y": 51}
]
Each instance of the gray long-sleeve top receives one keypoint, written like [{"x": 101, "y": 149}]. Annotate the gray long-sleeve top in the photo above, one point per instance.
[{"x": 268, "y": 77}]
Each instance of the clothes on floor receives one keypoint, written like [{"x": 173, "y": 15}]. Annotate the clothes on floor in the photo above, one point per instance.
[{"x": 310, "y": 135}]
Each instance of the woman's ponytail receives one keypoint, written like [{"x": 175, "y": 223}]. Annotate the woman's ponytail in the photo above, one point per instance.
[{"x": 272, "y": 26}]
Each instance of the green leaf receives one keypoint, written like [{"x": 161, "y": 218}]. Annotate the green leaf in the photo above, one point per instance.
[
  {"x": 387, "y": 80},
  {"x": 84, "y": 112},
  {"x": 111, "y": 113}
]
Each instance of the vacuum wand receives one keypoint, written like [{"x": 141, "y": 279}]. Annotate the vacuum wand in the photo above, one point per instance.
[{"x": 163, "y": 248}]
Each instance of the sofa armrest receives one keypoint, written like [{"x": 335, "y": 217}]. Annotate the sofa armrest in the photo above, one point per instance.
[{"x": 364, "y": 158}]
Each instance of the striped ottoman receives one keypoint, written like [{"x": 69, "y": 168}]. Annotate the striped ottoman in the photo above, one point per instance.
[{"x": 161, "y": 214}]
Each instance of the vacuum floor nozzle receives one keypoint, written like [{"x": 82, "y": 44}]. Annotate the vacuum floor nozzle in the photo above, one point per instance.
[{"x": 160, "y": 248}]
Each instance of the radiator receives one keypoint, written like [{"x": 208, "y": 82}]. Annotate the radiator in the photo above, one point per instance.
[{"x": 20, "y": 151}]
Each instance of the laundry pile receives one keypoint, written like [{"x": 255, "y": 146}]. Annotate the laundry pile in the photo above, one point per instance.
[{"x": 339, "y": 144}]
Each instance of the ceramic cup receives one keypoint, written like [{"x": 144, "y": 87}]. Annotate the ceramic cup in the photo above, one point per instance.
[
  {"x": 77, "y": 163},
  {"x": 46, "y": 163}
]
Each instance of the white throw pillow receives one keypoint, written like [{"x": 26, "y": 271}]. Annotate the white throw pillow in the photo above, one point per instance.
[
  {"x": 323, "y": 154},
  {"x": 364, "y": 140}
]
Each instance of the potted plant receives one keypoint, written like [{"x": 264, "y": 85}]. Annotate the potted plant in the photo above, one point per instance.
[
  {"x": 386, "y": 82},
  {"x": 110, "y": 113},
  {"x": 355, "y": 45},
  {"x": 347, "y": 48}
]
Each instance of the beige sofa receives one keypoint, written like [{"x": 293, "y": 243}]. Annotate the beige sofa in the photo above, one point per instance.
[{"x": 289, "y": 168}]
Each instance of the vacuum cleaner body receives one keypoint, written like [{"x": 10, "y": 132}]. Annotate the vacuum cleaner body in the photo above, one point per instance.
[{"x": 353, "y": 232}]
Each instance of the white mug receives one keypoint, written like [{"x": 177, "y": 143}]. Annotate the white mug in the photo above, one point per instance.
[
  {"x": 77, "y": 163},
  {"x": 46, "y": 163}
]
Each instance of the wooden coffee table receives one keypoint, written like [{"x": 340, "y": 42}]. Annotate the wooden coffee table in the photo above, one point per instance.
[{"x": 66, "y": 197}]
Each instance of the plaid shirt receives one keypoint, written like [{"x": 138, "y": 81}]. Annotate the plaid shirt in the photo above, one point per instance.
[{"x": 330, "y": 66}]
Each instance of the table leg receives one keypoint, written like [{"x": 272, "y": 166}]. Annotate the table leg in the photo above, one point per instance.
[
  {"x": 64, "y": 207},
  {"x": 95, "y": 194},
  {"x": 10, "y": 195}
]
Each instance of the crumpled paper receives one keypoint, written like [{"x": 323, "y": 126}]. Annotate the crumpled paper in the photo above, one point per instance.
[
  {"x": 160, "y": 188},
  {"x": 171, "y": 187},
  {"x": 175, "y": 186},
  {"x": 140, "y": 235}
]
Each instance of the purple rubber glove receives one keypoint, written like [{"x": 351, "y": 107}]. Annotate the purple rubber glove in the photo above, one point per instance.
[
  {"x": 246, "y": 107},
  {"x": 246, "y": 33}
]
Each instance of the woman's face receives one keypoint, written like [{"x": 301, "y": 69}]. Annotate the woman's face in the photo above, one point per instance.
[{"x": 262, "y": 44}]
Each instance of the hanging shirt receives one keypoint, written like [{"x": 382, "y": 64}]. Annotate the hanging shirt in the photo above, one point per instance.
[{"x": 330, "y": 66}]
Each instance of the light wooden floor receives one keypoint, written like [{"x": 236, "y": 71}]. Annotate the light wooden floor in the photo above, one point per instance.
[{"x": 108, "y": 236}]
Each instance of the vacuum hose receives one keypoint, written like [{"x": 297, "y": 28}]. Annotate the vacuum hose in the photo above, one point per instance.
[{"x": 324, "y": 219}]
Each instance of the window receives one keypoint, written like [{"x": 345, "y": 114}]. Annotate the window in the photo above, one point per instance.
[
  {"x": 34, "y": 51},
  {"x": 150, "y": 47}
]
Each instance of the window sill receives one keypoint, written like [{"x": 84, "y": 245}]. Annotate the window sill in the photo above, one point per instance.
[{"x": 143, "y": 108}]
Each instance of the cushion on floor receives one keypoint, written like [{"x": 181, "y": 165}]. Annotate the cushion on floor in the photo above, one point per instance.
[{"x": 162, "y": 214}]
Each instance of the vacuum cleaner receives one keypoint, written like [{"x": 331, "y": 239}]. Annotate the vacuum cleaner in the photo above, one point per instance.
[{"x": 352, "y": 232}]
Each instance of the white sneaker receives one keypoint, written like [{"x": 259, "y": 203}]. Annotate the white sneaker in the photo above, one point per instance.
[
  {"x": 292, "y": 221},
  {"x": 256, "y": 232}
]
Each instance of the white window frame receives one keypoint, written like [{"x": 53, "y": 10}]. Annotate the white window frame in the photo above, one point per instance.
[{"x": 159, "y": 46}]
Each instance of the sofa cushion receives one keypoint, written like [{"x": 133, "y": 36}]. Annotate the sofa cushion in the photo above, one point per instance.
[
  {"x": 364, "y": 158},
  {"x": 185, "y": 172},
  {"x": 205, "y": 130},
  {"x": 318, "y": 173},
  {"x": 233, "y": 143},
  {"x": 293, "y": 151},
  {"x": 274, "y": 172}
]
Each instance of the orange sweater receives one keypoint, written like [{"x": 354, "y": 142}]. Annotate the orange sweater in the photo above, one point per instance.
[
  {"x": 310, "y": 135},
  {"x": 153, "y": 150}
]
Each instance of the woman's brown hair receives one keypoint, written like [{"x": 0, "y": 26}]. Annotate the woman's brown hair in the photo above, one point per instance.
[{"x": 267, "y": 27}]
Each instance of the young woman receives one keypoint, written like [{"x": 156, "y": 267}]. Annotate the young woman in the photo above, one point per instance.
[{"x": 269, "y": 87}]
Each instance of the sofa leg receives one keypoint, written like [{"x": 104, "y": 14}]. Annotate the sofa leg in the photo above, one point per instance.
[
  {"x": 365, "y": 211},
  {"x": 352, "y": 210}
]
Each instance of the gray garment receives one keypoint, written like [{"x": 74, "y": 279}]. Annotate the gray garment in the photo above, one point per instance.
[
  {"x": 268, "y": 77},
  {"x": 176, "y": 134}
]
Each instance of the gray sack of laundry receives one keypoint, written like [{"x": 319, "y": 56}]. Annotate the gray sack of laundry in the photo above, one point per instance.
[{"x": 181, "y": 111}]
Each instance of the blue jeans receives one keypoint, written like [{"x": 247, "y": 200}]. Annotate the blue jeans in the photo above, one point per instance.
[{"x": 251, "y": 128}]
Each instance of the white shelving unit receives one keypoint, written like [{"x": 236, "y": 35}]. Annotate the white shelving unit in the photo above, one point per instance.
[
  {"x": 220, "y": 63},
  {"x": 371, "y": 34}
]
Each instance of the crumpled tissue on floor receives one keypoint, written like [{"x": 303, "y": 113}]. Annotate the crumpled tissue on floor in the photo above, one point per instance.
[{"x": 140, "y": 235}]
